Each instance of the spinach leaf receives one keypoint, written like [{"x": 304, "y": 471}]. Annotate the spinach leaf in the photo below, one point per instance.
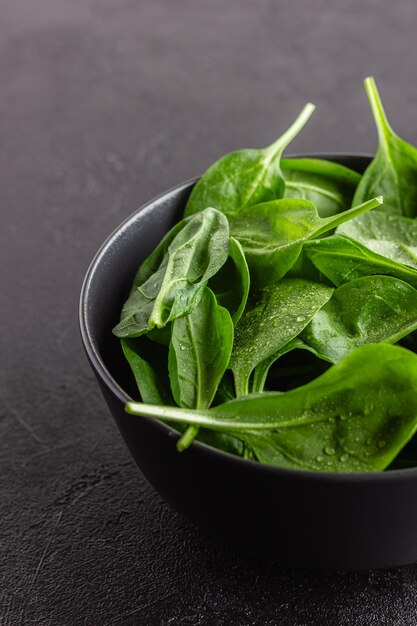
[
  {"x": 393, "y": 171},
  {"x": 151, "y": 388},
  {"x": 372, "y": 309},
  {"x": 151, "y": 264},
  {"x": 231, "y": 283},
  {"x": 272, "y": 234},
  {"x": 277, "y": 315},
  {"x": 355, "y": 417},
  {"x": 176, "y": 275},
  {"x": 199, "y": 352},
  {"x": 245, "y": 177},
  {"x": 341, "y": 260},
  {"x": 326, "y": 184},
  {"x": 221, "y": 441},
  {"x": 392, "y": 236}
]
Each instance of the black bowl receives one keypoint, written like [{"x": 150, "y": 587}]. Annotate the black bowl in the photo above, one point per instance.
[{"x": 298, "y": 518}]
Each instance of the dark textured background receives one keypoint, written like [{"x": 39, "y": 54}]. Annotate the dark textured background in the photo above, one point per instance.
[{"x": 103, "y": 104}]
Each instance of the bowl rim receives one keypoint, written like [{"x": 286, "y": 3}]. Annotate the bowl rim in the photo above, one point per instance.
[{"x": 107, "y": 379}]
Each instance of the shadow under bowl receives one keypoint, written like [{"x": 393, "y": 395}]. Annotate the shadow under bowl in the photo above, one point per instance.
[{"x": 295, "y": 517}]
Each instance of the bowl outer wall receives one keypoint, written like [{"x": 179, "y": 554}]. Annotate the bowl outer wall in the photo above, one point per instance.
[{"x": 298, "y": 518}]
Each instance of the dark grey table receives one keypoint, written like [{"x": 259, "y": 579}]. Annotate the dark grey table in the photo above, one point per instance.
[{"x": 103, "y": 104}]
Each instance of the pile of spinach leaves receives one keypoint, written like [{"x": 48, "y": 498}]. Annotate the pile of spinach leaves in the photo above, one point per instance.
[{"x": 263, "y": 323}]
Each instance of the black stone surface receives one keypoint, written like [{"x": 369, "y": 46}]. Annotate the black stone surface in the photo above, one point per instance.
[{"x": 103, "y": 104}]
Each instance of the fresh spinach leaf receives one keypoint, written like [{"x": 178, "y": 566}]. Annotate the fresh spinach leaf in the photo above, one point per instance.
[
  {"x": 231, "y": 283},
  {"x": 326, "y": 184},
  {"x": 152, "y": 263},
  {"x": 265, "y": 234},
  {"x": 392, "y": 236},
  {"x": 245, "y": 177},
  {"x": 355, "y": 417},
  {"x": 393, "y": 171},
  {"x": 176, "y": 275},
  {"x": 341, "y": 260},
  {"x": 199, "y": 352},
  {"x": 151, "y": 387},
  {"x": 272, "y": 234},
  {"x": 372, "y": 309},
  {"x": 221, "y": 441},
  {"x": 276, "y": 315}
]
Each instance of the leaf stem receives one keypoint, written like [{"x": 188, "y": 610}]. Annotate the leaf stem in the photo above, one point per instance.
[
  {"x": 341, "y": 218},
  {"x": 248, "y": 453},
  {"x": 209, "y": 419},
  {"x": 282, "y": 142},
  {"x": 241, "y": 384},
  {"x": 382, "y": 124},
  {"x": 259, "y": 378},
  {"x": 187, "y": 438}
]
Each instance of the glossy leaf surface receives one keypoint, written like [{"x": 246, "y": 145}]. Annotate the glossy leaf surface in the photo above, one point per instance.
[
  {"x": 356, "y": 417},
  {"x": 392, "y": 236},
  {"x": 393, "y": 171},
  {"x": 372, "y": 309},
  {"x": 151, "y": 386},
  {"x": 277, "y": 315},
  {"x": 245, "y": 177},
  {"x": 272, "y": 234},
  {"x": 326, "y": 184},
  {"x": 342, "y": 259},
  {"x": 231, "y": 283},
  {"x": 199, "y": 352},
  {"x": 176, "y": 275}
]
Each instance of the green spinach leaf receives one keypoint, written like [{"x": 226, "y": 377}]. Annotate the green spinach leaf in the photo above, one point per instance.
[
  {"x": 277, "y": 315},
  {"x": 355, "y": 417},
  {"x": 221, "y": 441},
  {"x": 231, "y": 283},
  {"x": 326, "y": 184},
  {"x": 272, "y": 234},
  {"x": 372, "y": 309},
  {"x": 393, "y": 171},
  {"x": 245, "y": 177},
  {"x": 199, "y": 352},
  {"x": 392, "y": 236},
  {"x": 173, "y": 286},
  {"x": 151, "y": 387},
  {"x": 341, "y": 260}
]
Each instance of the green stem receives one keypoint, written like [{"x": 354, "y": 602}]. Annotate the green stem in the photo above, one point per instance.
[
  {"x": 208, "y": 418},
  {"x": 248, "y": 453},
  {"x": 259, "y": 378},
  {"x": 187, "y": 438},
  {"x": 341, "y": 218},
  {"x": 382, "y": 124},
  {"x": 241, "y": 384},
  {"x": 282, "y": 142}
]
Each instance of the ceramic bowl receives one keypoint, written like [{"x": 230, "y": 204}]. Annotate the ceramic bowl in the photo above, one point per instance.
[{"x": 297, "y": 518}]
